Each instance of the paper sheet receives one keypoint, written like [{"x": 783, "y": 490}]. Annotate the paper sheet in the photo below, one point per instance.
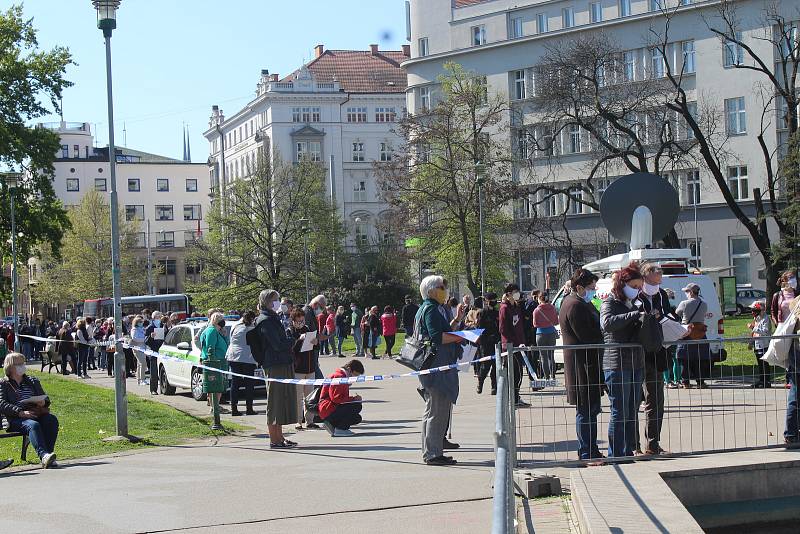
[
  {"x": 34, "y": 400},
  {"x": 470, "y": 335},
  {"x": 308, "y": 341},
  {"x": 672, "y": 330},
  {"x": 158, "y": 333},
  {"x": 468, "y": 354}
]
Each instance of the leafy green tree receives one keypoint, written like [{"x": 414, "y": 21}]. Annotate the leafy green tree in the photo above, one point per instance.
[
  {"x": 257, "y": 231},
  {"x": 29, "y": 80},
  {"x": 433, "y": 185},
  {"x": 83, "y": 269}
]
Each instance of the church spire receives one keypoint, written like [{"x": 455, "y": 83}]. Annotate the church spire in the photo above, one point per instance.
[
  {"x": 188, "y": 156},
  {"x": 184, "y": 142}
]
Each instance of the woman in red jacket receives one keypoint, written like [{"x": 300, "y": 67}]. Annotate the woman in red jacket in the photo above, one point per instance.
[
  {"x": 337, "y": 409},
  {"x": 389, "y": 326}
]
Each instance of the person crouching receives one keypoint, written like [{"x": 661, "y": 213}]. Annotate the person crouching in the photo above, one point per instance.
[{"x": 337, "y": 409}]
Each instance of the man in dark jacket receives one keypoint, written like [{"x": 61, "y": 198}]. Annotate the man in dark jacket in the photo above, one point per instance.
[
  {"x": 512, "y": 333},
  {"x": 654, "y": 300},
  {"x": 407, "y": 316},
  {"x": 580, "y": 325},
  {"x": 488, "y": 319}
]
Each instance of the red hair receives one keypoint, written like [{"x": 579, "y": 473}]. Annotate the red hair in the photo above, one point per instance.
[{"x": 622, "y": 277}]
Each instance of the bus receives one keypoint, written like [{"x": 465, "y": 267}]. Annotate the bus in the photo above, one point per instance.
[{"x": 172, "y": 303}]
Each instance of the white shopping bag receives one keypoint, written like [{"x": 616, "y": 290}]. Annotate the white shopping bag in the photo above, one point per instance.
[{"x": 778, "y": 351}]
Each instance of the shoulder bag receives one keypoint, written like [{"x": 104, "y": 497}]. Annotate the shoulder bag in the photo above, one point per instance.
[
  {"x": 417, "y": 352},
  {"x": 696, "y": 330}
]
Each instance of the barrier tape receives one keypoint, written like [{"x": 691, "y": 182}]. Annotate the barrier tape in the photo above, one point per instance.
[{"x": 75, "y": 342}]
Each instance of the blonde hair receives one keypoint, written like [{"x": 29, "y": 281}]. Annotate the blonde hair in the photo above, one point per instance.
[
  {"x": 81, "y": 322},
  {"x": 12, "y": 359},
  {"x": 214, "y": 319}
]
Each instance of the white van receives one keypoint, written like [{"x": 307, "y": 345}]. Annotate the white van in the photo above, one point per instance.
[{"x": 674, "y": 263}]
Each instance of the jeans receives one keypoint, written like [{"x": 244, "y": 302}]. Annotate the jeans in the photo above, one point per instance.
[
  {"x": 357, "y": 339},
  {"x": 792, "y": 433},
  {"x": 83, "y": 359},
  {"x": 238, "y": 382},
  {"x": 27, "y": 350},
  {"x": 389, "y": 344},
  {"x": 339, "y": 342},
  {"x": 547, "y": 356},
  {"x": 42, "y": 432},
  {"x": 487, "y": 368},
  {"x": 586, "y": 428},
  {"x": 324, "y": 346},
  {"x": 625, "y": 394},
  {"x": 345, "y": 415}
]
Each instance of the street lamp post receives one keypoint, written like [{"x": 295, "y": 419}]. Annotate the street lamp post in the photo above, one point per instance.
[
  {"x": 479, "y": 179},
  {"x": 11, "y": 183},
  {"x": 304, "y": 223},
  {"x": 107, "y": 21}
]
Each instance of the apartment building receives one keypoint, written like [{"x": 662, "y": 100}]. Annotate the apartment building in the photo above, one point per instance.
[
  {"x": 339, "y": 109},
  {"x": 505, "y": 40},
  {"x": 168, "y": 196}
]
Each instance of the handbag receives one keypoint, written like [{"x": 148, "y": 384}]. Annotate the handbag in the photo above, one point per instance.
[
  {"x": 696, "y": 330},
  {"x": 779, "y": 349},
  {"x": 311, "y": 401},
  {"x": 417, "y": 352}
]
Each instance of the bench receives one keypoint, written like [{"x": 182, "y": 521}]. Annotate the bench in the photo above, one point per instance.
[
  {"x": 25, "y": 442},
  {"x": 47, "y": 359}
]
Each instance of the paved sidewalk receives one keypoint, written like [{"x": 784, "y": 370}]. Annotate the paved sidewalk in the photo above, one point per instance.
[{"x": 372, "y": 482}]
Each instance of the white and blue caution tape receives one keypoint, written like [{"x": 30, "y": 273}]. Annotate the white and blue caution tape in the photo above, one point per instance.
[{"x": 74, "y": 341}]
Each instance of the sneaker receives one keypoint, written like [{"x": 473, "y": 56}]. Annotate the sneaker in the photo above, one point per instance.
[
  {"x": 312, "y": 426},
  {"x": 441, "y": 460},
  {"x": 299, "y": 427},
  {"x": 521, "y": 404},
  {"x": 342, "y": 433},
  {"x": 48, "y": 459},
  {"x": 282, "y": 445},
  {"x": 450, "y": 445},
  {"x": 329, "y": 427},
  {"x": 5, "y": 463}
]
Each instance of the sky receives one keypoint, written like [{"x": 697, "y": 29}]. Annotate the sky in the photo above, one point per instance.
[{"x": 173, "y": 59}]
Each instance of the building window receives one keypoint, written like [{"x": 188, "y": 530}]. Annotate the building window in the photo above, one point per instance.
[
  {"x": 656, "y": 63},
  {"x": 692, "y": 107},
  {"x": 567, "y": 17},
  {"x": 140, "y": 240},
  {"x": 361, "y": 236},
  {"x": 515, "y": 28},
  {"x": 162, "y": 185},
  {"x": 693, "y": 188},
  {"x": 737, "y": 182},
  {"x": 356, "y": 114},
  {"x": 358, "y": 151},
  {"x": 541, "y": 23},
  {"x": 306, "y": 114},
  {"x": 422, "y": 47},
  {"x": 685, "y": 2},
  {"x": 576, "y": 201},
  {"x": 687, "y": 48},
  {"x": 624, "y": 8},
  {"x": 73, "y": 184},
  {"x": 76, "y": 151},
  {"x": 478, "y": 35},
  {"x": 134, "y": 213},
  {"x": 309, "y": 151},
  {"x": 519, "y": 85},
  {"x": 65, "y": 151},
  {"x": 360, "y": 191},
  {"x": 386, "y": 152},
  {"x": 596, "y": 9},
  {"x": 165, "y": 239},
  {"x": 192, "y": 212},
  {"x": 735, "y": 116},
  {"x": 656, "y": 5},
  {"x": 99, "y": 184},
  {"x": 191, "y": 185},
  {"x": 166, "y": 281},
  {"x": 740, "y": 258},
  {"x": 629, "y": 66},
  {"x": 193, "y": 268},
  {"x": 574, "y": 133},
  {"x": 164, "y": 213},
  {"x": 385, "y": 114},
  {"x": 733, "y": 52},
  {"x": 425, "y": 97}
]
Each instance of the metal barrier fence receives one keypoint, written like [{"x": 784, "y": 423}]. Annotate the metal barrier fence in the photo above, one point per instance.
[
  {"x": 698, "y": 406},
  {"x": 504, "y": 509}
]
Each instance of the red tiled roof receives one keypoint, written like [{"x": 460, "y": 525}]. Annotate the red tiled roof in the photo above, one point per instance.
[
  {"x": 465, "y": 3},
  {"x": 360, "y": 71}
]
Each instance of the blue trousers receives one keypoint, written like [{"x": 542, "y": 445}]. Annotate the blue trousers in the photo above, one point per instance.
[
  {"x": 41, "y": 432},
  {"x": 83, "y": 359},
  {"x": 357, "y": 339},
  {"x": 586, "y": 428},
  {"x": 792, "y": 432},
  {"x": 625, "y": 394}
]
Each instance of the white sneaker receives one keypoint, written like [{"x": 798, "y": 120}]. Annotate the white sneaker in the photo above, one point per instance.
[
  {"x": 48, "y": 460},
  {"x": 342, "y": 433}
]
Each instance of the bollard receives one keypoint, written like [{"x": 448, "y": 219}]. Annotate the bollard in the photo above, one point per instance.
[{"x": 213, "y": 383}]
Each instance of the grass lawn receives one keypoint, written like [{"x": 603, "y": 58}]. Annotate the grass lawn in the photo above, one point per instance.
[
  {"x": 741, "y": 360},
  {"x": 86, "y": 416},
  {"x": 349, "y": 346}
]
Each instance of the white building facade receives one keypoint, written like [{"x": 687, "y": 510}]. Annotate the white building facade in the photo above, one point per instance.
[
  {"x": 340, "y": 109},
  {"x": 168, "y": 196},
  {"x": 505, "y": 39}
]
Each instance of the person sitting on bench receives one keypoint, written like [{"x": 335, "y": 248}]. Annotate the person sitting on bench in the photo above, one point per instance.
[
  {"x": 337, "y": 409},
  {"x": 25, "y": 404}
]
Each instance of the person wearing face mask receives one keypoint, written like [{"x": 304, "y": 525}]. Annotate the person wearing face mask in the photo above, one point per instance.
[
  {"x": 512, "y": 334},
  {"x": 304, "y": 368},
  {"x": 286, "y": 312},
  {"x": 780, "y": 308},
  {"x": 579, "y": 321},
  {"x": 155, "y": 333},
  {"x": 407, "y": 315},
  {"x": 440, "y": 390},
  {"x": 32, "y": 419},
  {"x": 342, "y": 325},
  {"x": 696, "y": 359},
  {"x": 759, "y": 328},
  {"x": 240, "y": 359},
  {"x": 545, "y": 319},
  {"x": 623, "y": 368},
  {"x": 654, "y": 300},
  {"x": 355, "y": 327},
  {"x": 214, "y": 346},
  {"x": 488, "y": 319},
  {"x": 313, "y": 310},
  {"x": 138, "y": 339}
]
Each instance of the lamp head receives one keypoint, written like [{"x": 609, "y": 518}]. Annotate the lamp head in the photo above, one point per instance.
[
  {"x": 106, "y": 15},
  {"x": 11, "y": 180}
]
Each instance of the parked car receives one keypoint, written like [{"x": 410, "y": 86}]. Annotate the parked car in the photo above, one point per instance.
[{"x": 745, "y": 298}]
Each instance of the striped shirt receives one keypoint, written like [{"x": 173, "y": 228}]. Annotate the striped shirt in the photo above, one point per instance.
[{"x": 24, "y": 391}]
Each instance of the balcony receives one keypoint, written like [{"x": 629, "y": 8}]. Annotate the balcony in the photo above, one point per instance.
[{"x": 295, "y": 87}]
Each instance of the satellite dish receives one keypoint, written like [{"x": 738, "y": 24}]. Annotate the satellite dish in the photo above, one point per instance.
[{"x": 639, "y": 209}]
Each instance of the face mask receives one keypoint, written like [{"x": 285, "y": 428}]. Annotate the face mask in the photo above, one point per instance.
[
  {"x": 688, "y": 295},
  {"x": 21, "y": 369},
  {"x": 793, "y": 283},
  {"x": 353, "y": 308},
  {"x": 317, "y": 312},
  {"x": 630, "y": 292},
  {"x": 439, "y": 295},
  {"x": 284, "y": 308},
  {"x": 157, "y": 322},
  {"x": 515, "y": 295},
  {"x": 590, "y": 293},
  {"x": 651, "y": 290},
  {"x": 221, "y": 324},
  {"x": 276, "y": 306},
  {"x": 299, "y": 325}
]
